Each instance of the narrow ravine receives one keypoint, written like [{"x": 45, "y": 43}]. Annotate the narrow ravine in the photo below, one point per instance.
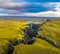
[{"x": 31, "y": 32}]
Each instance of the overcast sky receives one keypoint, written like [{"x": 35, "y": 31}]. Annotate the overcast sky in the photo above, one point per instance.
[{"x": 38, "y": 8}]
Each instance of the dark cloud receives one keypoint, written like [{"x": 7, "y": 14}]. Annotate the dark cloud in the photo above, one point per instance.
[{"x": 27, "y": 6}]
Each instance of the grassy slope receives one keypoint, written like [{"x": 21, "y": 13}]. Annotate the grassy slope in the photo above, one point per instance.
[
  {"x": 51, "y": 31},
  {"x": 9, "y": 29},
  {"x": 39, "y": 47}
]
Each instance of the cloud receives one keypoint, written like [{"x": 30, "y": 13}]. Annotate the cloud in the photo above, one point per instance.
[
  {"x": 29, "y": 8},
  {"x": 4, "y": 1},
  {"x": 55, "y": 13},
  {"x": 9, "y": 7},
  {"x": 8, "y": 11}
]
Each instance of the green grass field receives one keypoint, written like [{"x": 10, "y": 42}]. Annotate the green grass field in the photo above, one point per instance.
[{"x": 10, "y": 29}]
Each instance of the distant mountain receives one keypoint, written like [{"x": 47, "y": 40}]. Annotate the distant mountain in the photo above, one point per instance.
[{"x": 25, "y": 17}]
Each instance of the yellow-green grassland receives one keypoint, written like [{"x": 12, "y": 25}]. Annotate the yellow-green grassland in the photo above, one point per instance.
[{"x": 47, "y": 43}]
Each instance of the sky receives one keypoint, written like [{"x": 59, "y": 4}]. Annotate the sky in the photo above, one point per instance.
[{"x": 36, "y": 8}]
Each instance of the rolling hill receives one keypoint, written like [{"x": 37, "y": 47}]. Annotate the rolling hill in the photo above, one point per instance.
[{"x": 49, "y": 31}]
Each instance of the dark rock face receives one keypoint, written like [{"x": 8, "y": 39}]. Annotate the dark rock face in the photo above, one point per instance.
[
  {"x": 28, "y": 41},
  {"x": 10, "y": 49},
  {"x": 14, "y": 42},
  {"x": 30, "y": 33}
]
